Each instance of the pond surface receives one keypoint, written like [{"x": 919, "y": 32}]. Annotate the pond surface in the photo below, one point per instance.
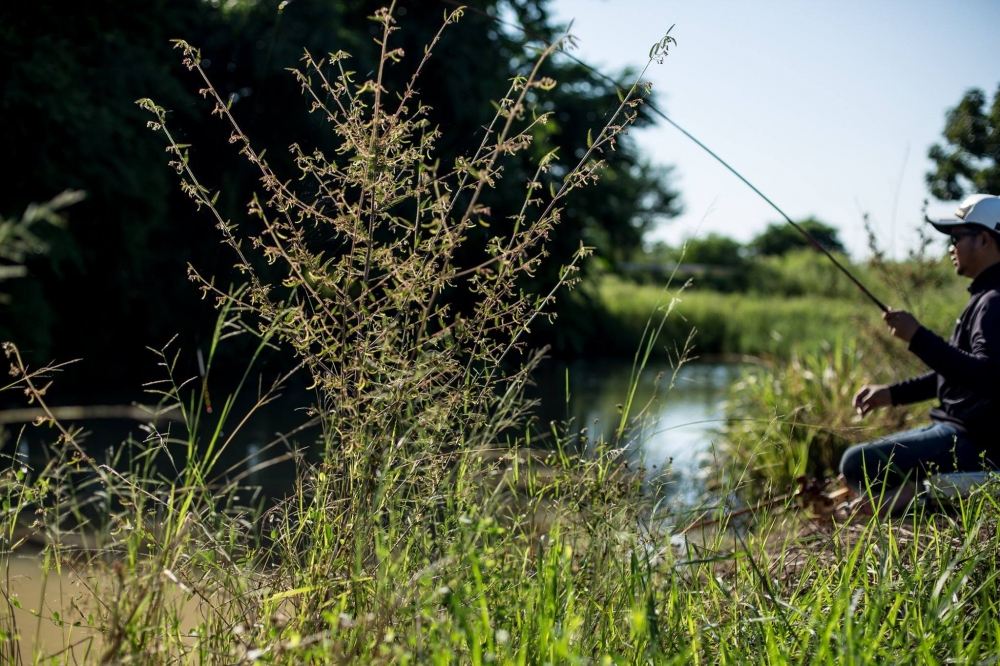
[
  {"x": 675, "y": 417},
  {"x": 676, "y": 414}
]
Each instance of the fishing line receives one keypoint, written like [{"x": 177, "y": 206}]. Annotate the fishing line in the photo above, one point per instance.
[{"x": 813, "y": 241}]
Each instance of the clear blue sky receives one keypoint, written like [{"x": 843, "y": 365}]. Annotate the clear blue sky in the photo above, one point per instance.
[{"x": 828, "y": 107}]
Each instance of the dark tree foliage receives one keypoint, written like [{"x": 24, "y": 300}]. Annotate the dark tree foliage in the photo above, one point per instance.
[
  {"x": 781, "y": 238},
  {"x": 113, "y": 282},
  {"x": 714, "y": 250},
  {"x": 970, "y": 159}
]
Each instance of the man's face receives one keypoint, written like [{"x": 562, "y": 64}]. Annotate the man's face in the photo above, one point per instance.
[{"x": 965, "y": 247}]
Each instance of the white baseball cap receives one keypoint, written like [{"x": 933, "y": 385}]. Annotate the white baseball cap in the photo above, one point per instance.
[{"x": 977, "y": 210}]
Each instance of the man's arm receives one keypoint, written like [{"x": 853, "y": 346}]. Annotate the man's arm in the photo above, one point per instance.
[
  {"x": 980, "y": 368},
  {"x": 913, "y": 390}
]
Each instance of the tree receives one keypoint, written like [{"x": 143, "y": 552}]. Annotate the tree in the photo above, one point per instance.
[
  {"x": 113, "y": 281},
  {"x": 970, "y": 159},
  {"x": 780, "y": 238},
  {"x": 714, "y": 250}
]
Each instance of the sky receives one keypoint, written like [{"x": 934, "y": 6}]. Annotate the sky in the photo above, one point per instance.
[{"x": 828, "y": 107}]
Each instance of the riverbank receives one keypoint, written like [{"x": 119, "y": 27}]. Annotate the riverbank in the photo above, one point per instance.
[
  {"x": 776, "y": 586},
  {"x": 391, "y": 551},
  {"x": 745, "y": 323}
]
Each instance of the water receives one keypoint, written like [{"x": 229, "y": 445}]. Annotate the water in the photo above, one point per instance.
[
  {"x": 674, "y": 419},
  {"x": 676, "y": 414}
]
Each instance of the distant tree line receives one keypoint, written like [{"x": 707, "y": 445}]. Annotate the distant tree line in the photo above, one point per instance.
[
  {"x": 725, "y": 264},
  {"x": 112, "y": 281}
]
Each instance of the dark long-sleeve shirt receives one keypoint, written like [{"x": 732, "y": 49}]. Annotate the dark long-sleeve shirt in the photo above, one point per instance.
[{"x": 965, "y": 370}]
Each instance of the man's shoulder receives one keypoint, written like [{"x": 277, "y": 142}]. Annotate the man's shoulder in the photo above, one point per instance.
[
  {"x": 990, "y": 298},
  {"x": 987, "y": 307}
]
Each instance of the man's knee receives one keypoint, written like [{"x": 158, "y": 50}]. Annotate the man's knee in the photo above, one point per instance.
[
  {"x": 852, "y": 466},
  {"x": 868, "y": 465}
]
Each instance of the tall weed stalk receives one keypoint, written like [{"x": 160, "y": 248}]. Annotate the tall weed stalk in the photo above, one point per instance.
[{"x": 366, "y": 264}]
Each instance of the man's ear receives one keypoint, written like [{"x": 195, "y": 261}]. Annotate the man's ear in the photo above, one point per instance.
[{"x": 993, "y": 240}]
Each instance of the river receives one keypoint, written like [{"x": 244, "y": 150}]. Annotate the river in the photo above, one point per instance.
[
  {"x": 676, "y": 414},
  {"x": 674, "y": 419}
]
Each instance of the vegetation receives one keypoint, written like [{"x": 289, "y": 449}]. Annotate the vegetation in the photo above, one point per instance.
[
  {"x": 517, "y": 563},
  {"x": 781, "y": 238},
  {"x": 67, "y": 105},
  {"x": 19, "y": 239},
  {"x": 419, "y": 499},
  {"x": 421, "y": 526},
  {"x": 802, "y": 305},
  {"x": 969, "y": 161},
  {"x": 790, "y": 416},
  {"x": 723, "y": 323}
]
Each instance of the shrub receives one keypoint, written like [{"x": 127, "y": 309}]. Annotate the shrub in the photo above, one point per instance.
[{"x": 793, "y": 417}]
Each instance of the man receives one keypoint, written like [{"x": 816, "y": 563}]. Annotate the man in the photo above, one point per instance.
[{"x": 965, "y": 376}]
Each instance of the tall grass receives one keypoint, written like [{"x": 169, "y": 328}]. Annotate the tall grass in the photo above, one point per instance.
[
  {"x": 733, "y": 323},
  {"x": 356, "y": 264},
  {"x": 756, "y": 323},
  {"x": 793, "y": 417},
  {"x": 181, "y": 576},
  {"x": 426, "y": 532}
]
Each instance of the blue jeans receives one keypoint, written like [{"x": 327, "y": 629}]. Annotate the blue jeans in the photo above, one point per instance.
[{"x": 911, "y": 455}]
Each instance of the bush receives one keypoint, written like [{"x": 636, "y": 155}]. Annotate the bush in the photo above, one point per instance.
[
  {"x": 805, "y": 273},
  {"x": 794, "y": 417}
]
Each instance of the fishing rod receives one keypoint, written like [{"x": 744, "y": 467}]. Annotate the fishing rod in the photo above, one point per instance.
[
  {"x": 798, "y": 227},
  {"x": 813, "y": 241}
]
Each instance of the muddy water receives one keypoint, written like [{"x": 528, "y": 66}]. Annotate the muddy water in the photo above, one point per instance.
[
  {"x": 57, "y": 617},
  {"x": 53, "y": 610}
]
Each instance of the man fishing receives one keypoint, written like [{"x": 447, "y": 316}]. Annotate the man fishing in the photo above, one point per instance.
[{"x": 964, "y": 376}]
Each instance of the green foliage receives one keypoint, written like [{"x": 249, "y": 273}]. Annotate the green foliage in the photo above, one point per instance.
[
  {"x": 724, "y": 323},
  {"x": 67, "y": 109},
  {"x": 67, "y": 112},
  {"x": 793, "y": 418},
  {"x": 781, "y": 238},
  {"x": 21, "y": 238},
  {"x": 522, "y": 562},
  {"x": 714, "y": 250},
  {"x": 969, "y": 160},
  {"x": 805, "y": 272}
]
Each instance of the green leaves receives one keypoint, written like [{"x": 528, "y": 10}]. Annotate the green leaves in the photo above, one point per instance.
[{"x": 969, "y": 161}]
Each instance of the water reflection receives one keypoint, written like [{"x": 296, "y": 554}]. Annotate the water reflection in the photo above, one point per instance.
[
  {"x": 675, "y": 418},
  {"x": 675, "y": 415}
]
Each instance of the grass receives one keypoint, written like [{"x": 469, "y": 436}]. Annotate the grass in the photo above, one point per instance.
[
  {"x": 187, "y": 576},
  {"x": 423, "y": 528},
  {"x": 733, "y": 323},
  {"x": 755, "y": 324},
  {"x": 793, "y": 417}
]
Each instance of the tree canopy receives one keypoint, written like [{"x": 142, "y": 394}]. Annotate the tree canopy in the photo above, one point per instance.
[
  {"x": 713, "y": 250},
  {"x": 113, "y": 282},
  {"x": 781, "y": 238},
  {"x": 969, "y": 159}
]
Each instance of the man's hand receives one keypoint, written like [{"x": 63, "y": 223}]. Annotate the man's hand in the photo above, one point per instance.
[
  {"x": 902, "y": 324},
  {"x": 872, "y": 397}
]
